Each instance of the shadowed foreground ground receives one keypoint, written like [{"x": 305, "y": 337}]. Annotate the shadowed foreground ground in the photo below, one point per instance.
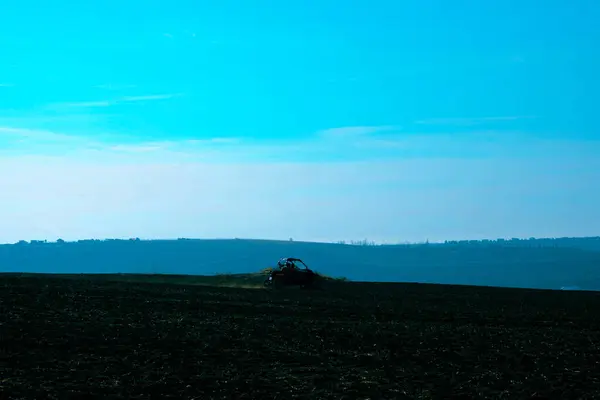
[{"x": 63, "y": 338}]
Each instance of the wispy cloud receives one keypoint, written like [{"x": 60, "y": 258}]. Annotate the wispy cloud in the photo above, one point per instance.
[
  {"x": 121, "y": 100},
  {"x": 7, "y": 84},
  {"x": 471, "y": 121},
  {"x": 358, "y": 144},
  {"x": 168, "y": 35},
  {"x": 22, "y": 133},
  {"x": 189, "y": 146},
  {"x": 16, "y": 140},
  {"x": 39, "y": 140},
  {"x": 43, "y": 119},
  {"x": 101, "y": 103},
  {"x": 139, "y": 148},
  {"x": 356, "y": 131},
  {"x": 231, "y": 140},
  {"x": 149, "y": 97}
]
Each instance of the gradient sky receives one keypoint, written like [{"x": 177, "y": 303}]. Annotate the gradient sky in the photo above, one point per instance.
[{"x": 318, "y": 120}]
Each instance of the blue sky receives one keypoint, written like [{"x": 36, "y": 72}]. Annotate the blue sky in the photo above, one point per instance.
[{"x": 384, "y": 120}]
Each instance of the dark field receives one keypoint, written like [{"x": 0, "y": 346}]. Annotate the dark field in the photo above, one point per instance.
[{"x": 64, "y": 338}]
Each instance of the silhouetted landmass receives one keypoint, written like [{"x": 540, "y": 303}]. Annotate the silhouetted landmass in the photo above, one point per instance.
[{"x": 553, "y": 263}]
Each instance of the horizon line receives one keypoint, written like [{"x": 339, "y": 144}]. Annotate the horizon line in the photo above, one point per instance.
[{"x": 351, "y": 242}]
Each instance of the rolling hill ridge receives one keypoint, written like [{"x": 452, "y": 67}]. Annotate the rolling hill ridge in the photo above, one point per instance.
[{"x": 532, "y": 263}]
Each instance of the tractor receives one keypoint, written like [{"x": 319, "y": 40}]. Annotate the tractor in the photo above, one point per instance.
[{"x": 291, "y": 272}]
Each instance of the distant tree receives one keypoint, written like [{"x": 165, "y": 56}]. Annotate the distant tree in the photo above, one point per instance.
[{"x": 60, "y": 241}]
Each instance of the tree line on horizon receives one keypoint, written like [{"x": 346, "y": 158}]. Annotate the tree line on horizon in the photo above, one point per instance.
[{"x": 585, "y": 241}]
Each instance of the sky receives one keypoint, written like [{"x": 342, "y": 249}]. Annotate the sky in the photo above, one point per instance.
[{"x": 314, "y": 120}]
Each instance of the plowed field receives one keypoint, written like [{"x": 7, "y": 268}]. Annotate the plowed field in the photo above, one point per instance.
[{"x": 67, "y": 338}]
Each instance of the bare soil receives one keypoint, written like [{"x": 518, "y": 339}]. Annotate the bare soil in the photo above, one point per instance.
[{"x": 64, "y": 338}]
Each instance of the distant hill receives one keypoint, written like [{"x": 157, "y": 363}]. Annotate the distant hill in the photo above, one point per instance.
[{"x": 533, "y": 263}]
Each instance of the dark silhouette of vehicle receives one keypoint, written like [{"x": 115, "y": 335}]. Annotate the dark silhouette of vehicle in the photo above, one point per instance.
[{"x": 291, "y": 272}]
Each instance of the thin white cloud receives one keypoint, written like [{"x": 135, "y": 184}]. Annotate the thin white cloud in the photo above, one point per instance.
[
  {"x": 477, "y": 144},
  {"x": 7, "y": 84},
  {"x": 143, "y": 148},
  {"x": 35, "y": 134},
  {"x": 39, "y": 141},
  {"x": 168, "y": 35},
  {"x": 38, "y": 119},
  {"x": 231, "y": 140},
  {"x": 149, "y": 97},
  {"x": 176, "y": 146},
  {"x": 107, "y": 146},
  {"x": 355, "y": 131},
  {"x": 108, "y": 141},
  {"x": 121, "y": 100},
  {"x": 470, "y": 121},
  {"x": 85, "y": 104}
]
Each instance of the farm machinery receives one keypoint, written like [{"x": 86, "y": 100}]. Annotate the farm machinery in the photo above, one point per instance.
[{"x": 291, "y": 272}]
